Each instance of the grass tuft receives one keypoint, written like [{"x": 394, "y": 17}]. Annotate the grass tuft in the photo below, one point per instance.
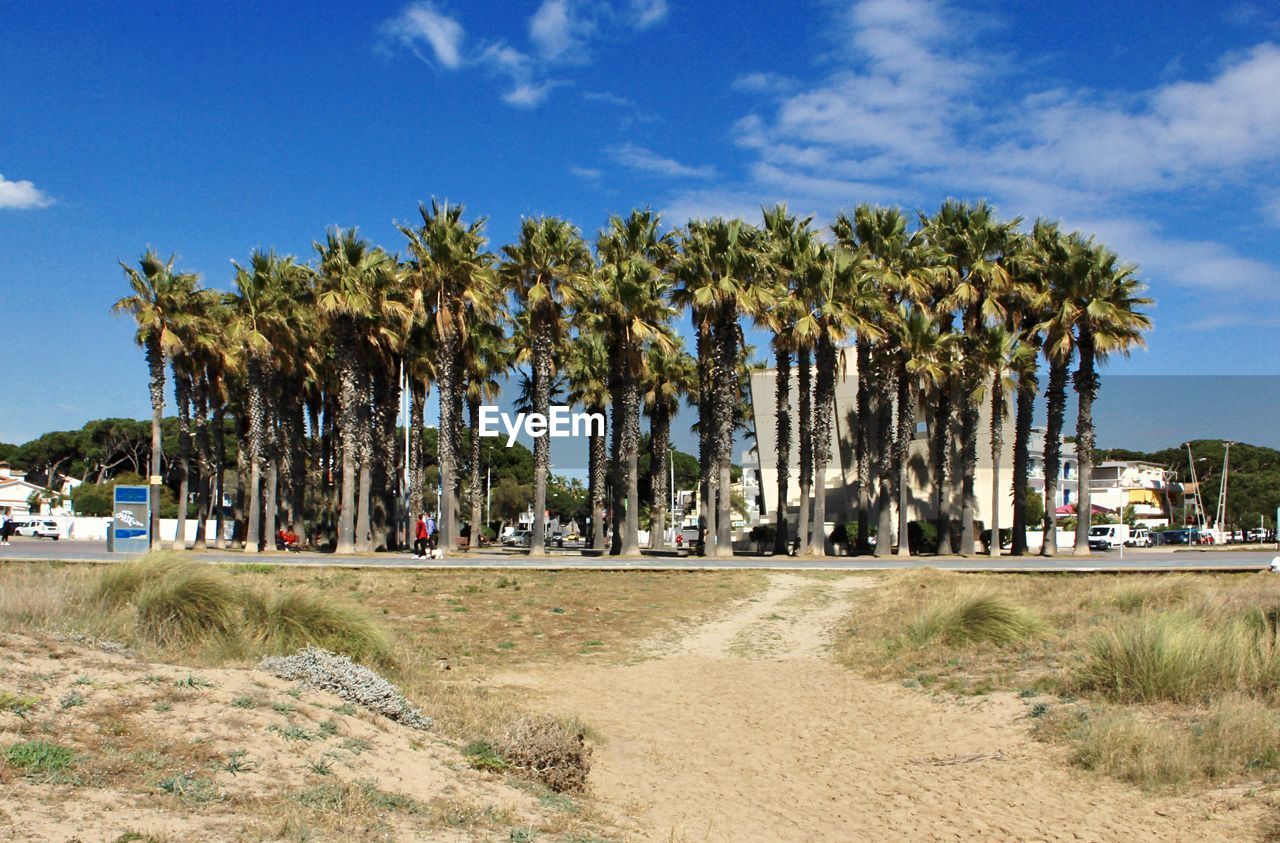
[
  {"x": 971, "y": 618},
  {"x": 296, "y": 617},
  {"x": 39, "y": 756},
  {"x": 186, "y": 604}
]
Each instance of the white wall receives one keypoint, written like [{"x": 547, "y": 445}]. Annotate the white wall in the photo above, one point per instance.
[{"x": 83, "y": 528}]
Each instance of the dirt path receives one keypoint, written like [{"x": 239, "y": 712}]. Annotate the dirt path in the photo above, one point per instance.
[{"x": 745, "y": 729}]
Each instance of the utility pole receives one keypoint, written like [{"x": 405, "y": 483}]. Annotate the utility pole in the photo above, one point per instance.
[
  {"x": 488, "y": 489},
  {"x": 1221, "y": 515}
]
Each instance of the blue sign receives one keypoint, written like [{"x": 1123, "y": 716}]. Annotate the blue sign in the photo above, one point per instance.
[{"x": 130, "y": 530}]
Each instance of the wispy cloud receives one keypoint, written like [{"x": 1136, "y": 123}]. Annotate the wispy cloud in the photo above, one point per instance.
[
  {"x": 647, "y": 13},
  {"x": 586, "y": 173},
  {"x": 423, "y": 24},
  {"x": 555, "y": 29},
  {"x": 21, "y": 195},
  {"x": 645, "y": 160}
]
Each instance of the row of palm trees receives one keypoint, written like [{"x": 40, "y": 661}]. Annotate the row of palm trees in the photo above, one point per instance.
[{"x": 309, "y": 361}]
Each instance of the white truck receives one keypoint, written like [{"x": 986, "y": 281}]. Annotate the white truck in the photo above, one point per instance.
[{"x": 1108, "y": 536}]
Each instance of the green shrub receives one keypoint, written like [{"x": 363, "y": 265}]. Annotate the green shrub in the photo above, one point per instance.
[
  {"x": 120, "y": 584},
  {"x": 293, "y": 618},
  {"x": 1169, "y": 656},
  {"x": 39, "y": 756},
  {"x": 922, "y": 537},
  {"x": 964, "y": 619}
]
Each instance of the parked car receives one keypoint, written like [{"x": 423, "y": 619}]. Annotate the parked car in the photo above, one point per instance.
[
  {"x": 37, "y": 528},
  {"x": 1175, "y": 537},
  {"x": 1258, "y": 535},
  {"x": 1108, "y": 536},
  {"x": 520, "y": 538},
  {"x": 1139, "y": 537}
]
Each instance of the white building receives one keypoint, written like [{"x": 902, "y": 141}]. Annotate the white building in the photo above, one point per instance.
[
  {"x": 1116, "y": 484},
  {"x": 1068, "y": 481},
  {"x": 16, "y": 492}
]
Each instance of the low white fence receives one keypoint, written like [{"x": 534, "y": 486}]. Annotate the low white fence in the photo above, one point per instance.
[{"x": 86, "y": 528}]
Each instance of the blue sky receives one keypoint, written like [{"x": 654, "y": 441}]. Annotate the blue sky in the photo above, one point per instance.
[{"x": 211, "y": 129}]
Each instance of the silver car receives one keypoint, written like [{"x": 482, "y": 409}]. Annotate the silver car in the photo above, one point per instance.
[{"x": 39, "y": 528}]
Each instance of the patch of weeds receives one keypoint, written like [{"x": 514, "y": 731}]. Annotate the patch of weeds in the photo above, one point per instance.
[
  {"x": 506, "y": 645},
  {"x": 18, "y": 704},
  {"x": 40, "y": 756},
  {"x": 328, "y": 728},
  {"x": 556, "y": 610},
  {"x": 515, "y": 617},
  {"x": 521, "y": 835},
  {"x": 1027, "y": 693},
  {"x": 137, "y": 837},
  {"x": 503, "y": 582},
  {"x": 911, "y": 683},
  {"x": 83, "y": 680},
  {"x": 461, "y": 609},
  {"x": 472, "y": 589},
  {"x": 291, "y": 732},
  {"x": 253, "y": 568},
  {"x": 71, "y": 699},
  {"x": 188, "y": 787},
  {"x": 483, "y": 755},
  {"x": 153, "y": 679},
  {"x": 283, "y": 707},
  {"x": 593, "y": 643},
  {"x": 163, "y": 707},
  {"x": 559, "y": 802},
  {"x": 774, "y": 616},
  {"x": 355, "y": 745},
  {"x": 1038, "y": 710},
  {"x": 346, "y": 709},
  {"x": 296, "y": 693},
  {"x": 243, "y": 701},
  {"x": 196, "y": 682},
  {"x": 237, "y": 763},
  {"x": 321, "y": 767}
]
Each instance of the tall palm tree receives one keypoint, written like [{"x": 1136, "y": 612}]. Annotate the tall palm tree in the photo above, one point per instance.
[
  {"x": 350, "y": 273},
  {"x": 976, "y": 243},
  {"x": 788, "y": 245},
  {"x": 157, "y": 306},
  {"x": 454, "y": 286},
  {"x": 1108, "y": 321},
  {"x": 587, "y": 369},
  {"x": 1001, "y": 354},
  {"x": 634, "y": 256},
  {"x": 670, "y": 374},
  {"x": 548, "y": 270},
  {"x": 718, "y": 279},
  {"x": 198, "y": 334},
  {"x": 487, "y": 359}
]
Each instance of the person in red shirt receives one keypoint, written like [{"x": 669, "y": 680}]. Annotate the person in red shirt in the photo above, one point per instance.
[{"x": 421, "y": 537}]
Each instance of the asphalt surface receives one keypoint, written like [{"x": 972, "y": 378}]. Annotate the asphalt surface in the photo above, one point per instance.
[{"x": 1154, "y": 559}]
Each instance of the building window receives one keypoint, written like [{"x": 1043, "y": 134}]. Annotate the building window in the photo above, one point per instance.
[
  {"x": 1066, "y": 471},
  {"x": 1066, "y": 497}
]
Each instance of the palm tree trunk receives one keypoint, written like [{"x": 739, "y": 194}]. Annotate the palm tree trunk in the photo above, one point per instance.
[
  {"x": 861, "y": 457},
  {"x": 901, "y": 459},
  {"x": 727, "y": 387},
  {"x": 256, "y": 409},
  {"x": 1022, "y": 459},
  {"x": 782, "y": 418},
  {"x": 617, "y": 467},
  {"x": 997, "y": 445},
  {"x": 182, "y": 386},
  {"x": 823, "y": 400},
  {"x": 1057, "y": 394},
  {"x": 477, "y": 474},
  {"x": 631, "y": 460},
  {"x": 942, "y": 427},
  {"x": 541, "y": 445},
  {"x": 598, "y": 466},
  {"x": 968, "y": 466},
  {"x": 417, "y": 409},
  {"x": 155, "y": 365},
  {"x": 448, "y": 353},
  {"x": 203, "y": 462},
  {"x": 804, "y": 377},
  {"x": 885, "y": 386},
  {"x": 706, "y": 407},
  {"x": 659, "y": 463},
  {"x": 1085, "y": 382},
  {"x": 349, "y": 419},
  {"x": 219, "y": 487},
  {"x": 271, "y": 503}
]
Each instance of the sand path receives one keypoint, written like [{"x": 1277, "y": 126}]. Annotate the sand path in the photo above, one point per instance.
[{"x": 745, "y": 729}]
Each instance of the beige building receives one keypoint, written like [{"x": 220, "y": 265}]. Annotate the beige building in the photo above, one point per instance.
[{"x": 841, "y": 475}]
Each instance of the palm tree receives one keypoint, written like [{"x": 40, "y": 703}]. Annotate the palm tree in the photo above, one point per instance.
[
  {"x": 157, "y": 303},
  {"x": 718, "y": 278},
  {"x": 788, "y": 245},
  {"x": 487, "y": 358},
  {"x": 547, "y": 269},
  {"x": 454, "y": 284},
  {"x": 197, "y": 335},
  {"x": 670, "y": 374},
  {"x": 264, "y": 318},
  {"x": 1001, "y": 354},
  {"x": 1108, "y": 321},
  {"x": 587, "y": 369},
  {"x": 634, "y": 256},
  {"x": 350, "y": 274},
  {"x": 977, "y": 245}
]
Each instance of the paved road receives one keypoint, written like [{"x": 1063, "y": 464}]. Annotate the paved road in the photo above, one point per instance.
[{"x": 1156, "y": 559}]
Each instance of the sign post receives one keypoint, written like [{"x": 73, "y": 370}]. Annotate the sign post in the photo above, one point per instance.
[{"x": 131, "y": 520}]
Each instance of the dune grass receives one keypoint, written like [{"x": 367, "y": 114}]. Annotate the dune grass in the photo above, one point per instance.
[
  {"x": 1161, "y": 680},
  {"x": 292, "y": 618}
]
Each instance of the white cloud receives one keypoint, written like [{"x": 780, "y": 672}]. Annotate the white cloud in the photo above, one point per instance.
[
  {"x": 645, "y": 160},
  {"x": 586, "y": 173},
  {"x": 527, "y": 94},
  {"x": 21, "y": 195},
  {"x": 554, "y": 29},
  {"x": 764, "y": 83},
  {"x": 422, "y": 23},
  {"x": 647, "y": 13},
  {"x": 607, "y": 98}
]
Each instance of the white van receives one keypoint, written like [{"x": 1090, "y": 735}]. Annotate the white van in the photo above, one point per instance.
[
  {"x": 1108, "y": 536},
  {"x": 1139, "y": 537}
]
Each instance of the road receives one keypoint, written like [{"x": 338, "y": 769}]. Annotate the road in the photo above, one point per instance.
[{"x": 1155, "y": 559}]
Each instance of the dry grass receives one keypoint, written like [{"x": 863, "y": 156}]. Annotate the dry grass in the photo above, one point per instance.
[
  {"x": 551, "y": 750},
  {"x": 1179, "y": 673}
]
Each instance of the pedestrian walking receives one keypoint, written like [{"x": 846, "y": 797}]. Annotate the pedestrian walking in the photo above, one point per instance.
[{"x": 421, "y": 537}]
